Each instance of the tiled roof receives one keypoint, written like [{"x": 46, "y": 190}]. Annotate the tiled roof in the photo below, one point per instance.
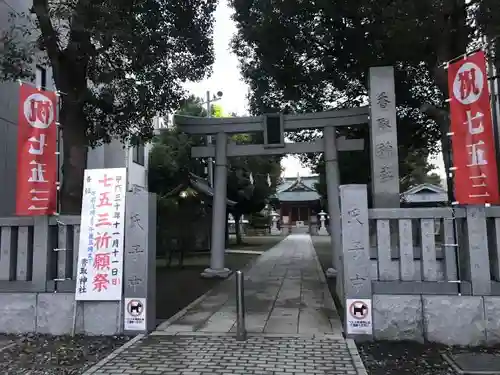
[
  {"x": 298, "y": 196},
  {"x": 298, "y": 189}
]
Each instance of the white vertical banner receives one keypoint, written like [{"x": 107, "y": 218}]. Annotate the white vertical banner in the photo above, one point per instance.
[{"x": 100, "y": 254}]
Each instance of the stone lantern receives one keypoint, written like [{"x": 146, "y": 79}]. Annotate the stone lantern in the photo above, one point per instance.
[
  {"x": 274, "y": 227},
  {"x": 322, "y": 229}
]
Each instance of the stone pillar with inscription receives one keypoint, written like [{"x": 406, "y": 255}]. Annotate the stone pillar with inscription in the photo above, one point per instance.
[
  {"x": 357, "y": 283},
  {"x": 139, "y": 269},
  {"x": 384, "y": 138}
]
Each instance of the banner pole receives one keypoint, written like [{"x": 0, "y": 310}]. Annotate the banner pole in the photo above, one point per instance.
[
  {"x": 493, "y": 83},
  {"x": 58, "y": 152}
]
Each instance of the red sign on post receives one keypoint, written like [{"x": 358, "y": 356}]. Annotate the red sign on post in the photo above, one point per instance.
[
  {"x": 36, "y": 153},
  {"x": 476, "y": 175}
]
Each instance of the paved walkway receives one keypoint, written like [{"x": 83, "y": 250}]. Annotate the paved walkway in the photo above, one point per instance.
[{"x": 292, "y": 322}]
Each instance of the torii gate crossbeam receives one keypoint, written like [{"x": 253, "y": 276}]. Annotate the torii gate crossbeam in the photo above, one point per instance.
[{"x": 381, "y": 117}]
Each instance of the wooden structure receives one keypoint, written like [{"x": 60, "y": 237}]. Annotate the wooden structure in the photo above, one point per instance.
[{"x": 298, "y": 203}]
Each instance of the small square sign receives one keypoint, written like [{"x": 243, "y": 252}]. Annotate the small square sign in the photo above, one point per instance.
[
  {"x": 359, "y": 316},
  {"x": 135, "y": 314}
]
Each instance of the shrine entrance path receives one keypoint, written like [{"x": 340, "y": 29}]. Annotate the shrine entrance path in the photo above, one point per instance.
[
  {"x": 292, "y": 322},
  {"x": 285, "y": 293}
]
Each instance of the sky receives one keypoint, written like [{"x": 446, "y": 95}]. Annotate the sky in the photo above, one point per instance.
[{"x": 226, "y": 77}]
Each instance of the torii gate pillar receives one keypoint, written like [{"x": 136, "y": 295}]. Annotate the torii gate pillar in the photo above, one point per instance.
[{"x": 218, "y": 245}]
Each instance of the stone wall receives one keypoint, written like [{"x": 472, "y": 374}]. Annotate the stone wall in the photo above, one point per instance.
[
  {"x": 52, "y": 313},
  {"x": 451, "y": 320}
]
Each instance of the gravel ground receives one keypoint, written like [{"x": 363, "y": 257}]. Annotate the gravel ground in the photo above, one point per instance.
[
  {"x": 388, "y": 358},
  {"x": 64, "y": 355},
  {"x": 50, "y": 355},
  {"x": 398, "y": 358},
  {"x": 391, "y": 358}
]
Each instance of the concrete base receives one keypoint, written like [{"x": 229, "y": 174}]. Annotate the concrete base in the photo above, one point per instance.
[
  {"x": 210, "y": 273},
  {"x": 275, "y": 232},
  {"x": 323, "y": 232},
  {"x": 52, "y": 313},
  {"x": 450, "y": 320},
  {"x": 331, "y": 273}
]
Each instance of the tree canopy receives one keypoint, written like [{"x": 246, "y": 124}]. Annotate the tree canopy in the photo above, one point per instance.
[
  {"x": 251, "y": 180},
  {"x": 326, "y": 48},
  {"x": 116, "y": 64},
  {"x": 248, "y": 182}
]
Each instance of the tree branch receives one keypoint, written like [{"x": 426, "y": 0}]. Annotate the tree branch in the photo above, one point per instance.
[{"x": 49, "y": 35}]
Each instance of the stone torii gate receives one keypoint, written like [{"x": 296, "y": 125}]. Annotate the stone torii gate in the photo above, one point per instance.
[{"x": 381, "y": 117}]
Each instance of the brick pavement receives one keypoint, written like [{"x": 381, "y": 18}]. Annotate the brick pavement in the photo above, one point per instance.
[
  {"x": 285, "y": 292},
  {"x": 292, "y": 322},
  {"x": 209, "y": 354}
]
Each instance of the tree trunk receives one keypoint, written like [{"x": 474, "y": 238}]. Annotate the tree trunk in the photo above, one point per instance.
[
  {"x": 75, "y": 152},
  {"x": 450, "y": 44},
  {"x": 442, "y": 118},
  {"x": 237, "y": 218}
]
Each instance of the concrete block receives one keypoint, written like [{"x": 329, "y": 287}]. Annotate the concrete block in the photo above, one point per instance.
[
  {"x": 54, "y": 314},
  {"x": 102, "y": 318},
  {"x": 17, "y": 312},
  {"x": 491, "y": 313},
  {"x": 454, "y": 320},
  {"x": 397, "y": 317}
]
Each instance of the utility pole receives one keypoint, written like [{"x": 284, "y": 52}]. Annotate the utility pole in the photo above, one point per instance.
[{"x": 208, "y": 102}]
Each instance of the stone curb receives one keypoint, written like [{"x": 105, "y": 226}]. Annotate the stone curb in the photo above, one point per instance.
[
  {"x": 200, "y": 299},
  {"x": 310, "y": 336},
  {"x": 157, "y": 332},
  {"x": 351, "y": 345},
  {"x": 356, "y": 358},
  {"x": 122, "y": 348},
  {"x": 7, "y": 346}
]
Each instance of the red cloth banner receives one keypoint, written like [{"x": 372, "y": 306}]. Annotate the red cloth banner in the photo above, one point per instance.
[
  {"x": 36, "y": 153},
  {"x": 473, "y": 144}
]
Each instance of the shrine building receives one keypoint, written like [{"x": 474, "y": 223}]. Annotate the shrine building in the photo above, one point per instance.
[{"x": 298, "y": 203}]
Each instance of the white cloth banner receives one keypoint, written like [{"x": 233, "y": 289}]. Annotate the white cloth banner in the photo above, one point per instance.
[{"x": 100, "y": 254}]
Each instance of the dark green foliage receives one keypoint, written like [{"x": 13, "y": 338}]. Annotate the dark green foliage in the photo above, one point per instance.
[
  {"x": 170, "y": 164},
  {"x": 320, "y": 53},
  {"x": 117, "y": 64}
]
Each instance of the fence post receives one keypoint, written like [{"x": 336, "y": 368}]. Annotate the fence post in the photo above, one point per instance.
[
  {"x": 476, "y": 257},
  {"x": 42, "y": 252},
  {"x": 357, "y": 288}
]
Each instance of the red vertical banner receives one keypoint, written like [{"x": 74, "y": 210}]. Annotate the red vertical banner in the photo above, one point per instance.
[
  {"x": 36, "y": 152},
  {"x": 473, "y": 144}
]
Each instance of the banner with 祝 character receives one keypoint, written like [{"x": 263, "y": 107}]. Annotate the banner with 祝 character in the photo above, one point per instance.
[
  {"x": 473, "y": 144},
  {"x": 36, "y": 192},
  {"x": 100, "y": 255}
]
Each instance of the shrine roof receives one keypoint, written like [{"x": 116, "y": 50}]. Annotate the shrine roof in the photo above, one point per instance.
[
  {"x": 303, "y": 196},
  {"x": 200, "y": 185},
  {"x": 298, "y": 189}
]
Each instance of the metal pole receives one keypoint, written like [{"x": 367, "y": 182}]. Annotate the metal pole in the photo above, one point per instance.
[
  {"x": 73, "y": 324},
  {"x": 210, "y": 166},
  {"x": 241, "y": 333}
]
